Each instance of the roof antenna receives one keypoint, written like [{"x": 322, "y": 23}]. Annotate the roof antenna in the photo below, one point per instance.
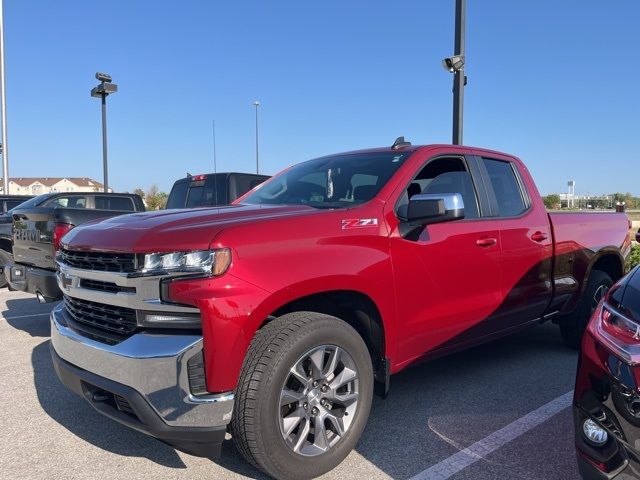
[
  {"x": 189, "y": 175},
  {"x": 400, "y": 143}
]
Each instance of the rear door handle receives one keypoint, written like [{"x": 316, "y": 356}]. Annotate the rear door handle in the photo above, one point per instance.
[
  {"x": 539, "y": 237},
  {"x": 486, "y": 242}
]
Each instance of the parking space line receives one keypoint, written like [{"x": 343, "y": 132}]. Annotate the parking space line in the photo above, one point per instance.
[
  {"x": 458, "y": 461},
  {"x": 27, "y": 316}
]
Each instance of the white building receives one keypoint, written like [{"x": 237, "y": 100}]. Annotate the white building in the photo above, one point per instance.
[{"x": 38, "y": 185}]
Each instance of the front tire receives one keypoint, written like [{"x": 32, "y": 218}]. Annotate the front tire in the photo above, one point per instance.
[
  {"x": 303, "y": 397},
  {"x": 572, "y": 326}
]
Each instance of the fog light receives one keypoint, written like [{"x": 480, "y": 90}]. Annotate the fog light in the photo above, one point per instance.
[{"x": 594, "y": 433}]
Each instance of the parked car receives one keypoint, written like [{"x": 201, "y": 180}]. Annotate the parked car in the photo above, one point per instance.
[
  {"x": 6, "y": 241},
  {"x": 606, "y": 408},
  {"x": 7, "y": 202},
  {"x": 276, "y": 316},
  {"x": 38, "y": 227},
  {"x": 211, "y": 189}
]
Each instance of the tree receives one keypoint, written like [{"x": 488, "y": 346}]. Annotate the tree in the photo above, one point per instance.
[
  {"x": 155, "y": 199},
  {"x": 552, "y": 201}
]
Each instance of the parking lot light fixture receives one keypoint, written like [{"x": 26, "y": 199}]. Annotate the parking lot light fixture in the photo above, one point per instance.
[{"x": 102, "y": 91}]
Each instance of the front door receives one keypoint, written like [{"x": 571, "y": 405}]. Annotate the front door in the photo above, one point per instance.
[{"x": 448, "y": 276}]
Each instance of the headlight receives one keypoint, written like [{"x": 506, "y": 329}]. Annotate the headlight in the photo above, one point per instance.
[{"x": 215, "y": 262}]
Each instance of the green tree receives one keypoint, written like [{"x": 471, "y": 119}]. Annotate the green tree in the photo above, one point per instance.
[
  {"x": 551, "y": 201},
  {"x": 155, "y": 199}
]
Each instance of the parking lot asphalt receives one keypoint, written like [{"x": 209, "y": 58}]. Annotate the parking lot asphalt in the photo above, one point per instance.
[{"x": 434, "y": 411}]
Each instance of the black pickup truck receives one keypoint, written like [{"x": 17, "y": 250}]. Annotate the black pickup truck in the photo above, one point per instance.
[
  {"x": 40, "y": 224},
  {"x": 212, "y": 189}
]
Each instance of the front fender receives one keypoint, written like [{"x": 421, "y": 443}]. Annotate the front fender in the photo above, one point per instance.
[{"x": 232, "y": 310}]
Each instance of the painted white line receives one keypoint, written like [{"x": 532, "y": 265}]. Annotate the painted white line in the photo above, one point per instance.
[
  {"x": 458, "y": 461},
  {"x": 27, "y": 316}
]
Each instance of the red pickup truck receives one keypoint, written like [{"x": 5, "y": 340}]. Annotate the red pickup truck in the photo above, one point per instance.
[{"x": 275, "y": 317}]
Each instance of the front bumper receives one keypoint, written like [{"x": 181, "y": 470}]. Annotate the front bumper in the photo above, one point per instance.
[
  {"x": 143, "y": 383},
  {"x": 33, "y": 280}
]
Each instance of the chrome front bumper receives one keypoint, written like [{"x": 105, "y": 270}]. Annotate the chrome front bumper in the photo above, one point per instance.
[{"x": 154, "y": 365}]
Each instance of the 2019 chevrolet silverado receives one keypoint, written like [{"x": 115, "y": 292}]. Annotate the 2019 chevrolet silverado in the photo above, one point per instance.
[
  {"x": 275, "y": 317},
  {"x": 607, "y": 394},
  {"x": 38, "y": 226}
]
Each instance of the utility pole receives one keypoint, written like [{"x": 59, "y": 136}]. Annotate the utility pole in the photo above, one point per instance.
[
  {"x": 3, "y": 99},
  {"x": 257, "y": 104},
  {"x": 459, "y": 78},
  {"x": 455, "y": 65}
]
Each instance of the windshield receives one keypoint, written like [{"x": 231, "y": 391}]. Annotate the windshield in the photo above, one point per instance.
[{"x": 330, "y": 182}]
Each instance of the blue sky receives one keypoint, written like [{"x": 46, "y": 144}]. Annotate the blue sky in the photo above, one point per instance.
[{"x": 552, "y": 82}]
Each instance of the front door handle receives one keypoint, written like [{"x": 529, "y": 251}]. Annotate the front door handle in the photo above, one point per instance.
[
  {"x": 486, "y": 242},
  {"x": 539, "y": 237}
]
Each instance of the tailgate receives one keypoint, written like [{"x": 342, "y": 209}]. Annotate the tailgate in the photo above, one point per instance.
[
  {"x": 33, "y": 237},
  {"x": 33, "y": 231}
]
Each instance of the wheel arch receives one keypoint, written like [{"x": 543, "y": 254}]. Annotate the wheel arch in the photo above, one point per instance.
[
  {"x": 356, "y": 309},
  {"x": 609, "y": 261}
]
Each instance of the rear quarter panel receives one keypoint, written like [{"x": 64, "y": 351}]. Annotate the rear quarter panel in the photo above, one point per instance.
[{"x": 580, "y": 240}]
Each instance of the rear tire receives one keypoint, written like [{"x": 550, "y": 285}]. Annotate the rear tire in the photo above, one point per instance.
[
  {"x": 300, "y": 363},
  {"x": 572, "y": 326}
]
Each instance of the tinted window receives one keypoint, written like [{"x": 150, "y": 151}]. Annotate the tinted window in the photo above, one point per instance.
[
  {"x": 33, "y": 202},
  {"x": 178, "y": 195},
  {"x": 67, "y": 202},
  {"x": 13, "y": 203},
  {"x": 241, "y": 184},
  {"x": 124, "y": 204},
  {"x": 196, "y": 197},
  {"x": 506, "y": 187},
  {"x": 330, "y": 182}
]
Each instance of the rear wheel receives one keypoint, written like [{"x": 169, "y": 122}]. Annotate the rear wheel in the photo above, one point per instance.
[
  {"x": 303, "y": 397},
  {"x": 572, "y": 326}
]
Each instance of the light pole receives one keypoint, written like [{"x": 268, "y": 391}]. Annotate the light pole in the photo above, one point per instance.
[
  {"x": 3, "y": 99},
  {"x": 103, "y": 90},
  {"x": 455, "y": 65},
  {"x": 257, "y": 104}
]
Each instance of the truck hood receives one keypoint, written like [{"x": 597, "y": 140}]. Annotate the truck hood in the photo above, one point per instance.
[{"x": 172, "y": 230}]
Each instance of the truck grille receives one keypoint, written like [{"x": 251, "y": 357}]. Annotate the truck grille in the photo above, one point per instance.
[
  {"x": 100, "y": 261},
  {"x": 104, "y": 323}
]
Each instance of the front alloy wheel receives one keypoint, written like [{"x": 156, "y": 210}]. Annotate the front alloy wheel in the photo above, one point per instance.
[
  {"x": 318, "y": 400},
  {"x": 303, "y": 397}
]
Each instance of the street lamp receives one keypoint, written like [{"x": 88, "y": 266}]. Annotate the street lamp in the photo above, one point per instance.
[
  {"x": 455, "y": 65},
  {"x": 257, "y": 104},
  {"x": 103, "y": 90}
]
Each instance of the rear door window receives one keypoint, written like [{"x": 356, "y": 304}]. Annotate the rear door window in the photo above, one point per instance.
[
  {"x": 507, "y": 189},
  {"x": 124, "y": 204}
]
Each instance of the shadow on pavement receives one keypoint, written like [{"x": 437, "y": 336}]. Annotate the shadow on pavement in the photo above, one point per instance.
[
  {"x": 437, "y": 408},
  {"x": 73, "y": 413},
  {"x": 28, "y": 315}
]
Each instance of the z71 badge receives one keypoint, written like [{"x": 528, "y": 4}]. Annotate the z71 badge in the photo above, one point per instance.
[{"x": 359, "y": 223}]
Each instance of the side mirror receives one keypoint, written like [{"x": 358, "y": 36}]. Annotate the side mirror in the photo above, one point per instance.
[{"x": 428, "y": 208}]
